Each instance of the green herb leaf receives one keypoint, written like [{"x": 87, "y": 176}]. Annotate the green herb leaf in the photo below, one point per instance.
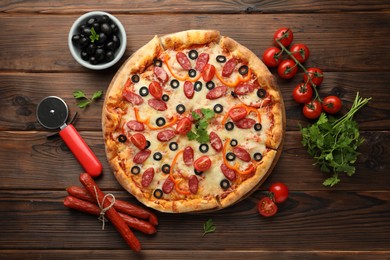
[
  {"x": 97, "y": 95},
  {"x": 207, "y": 113},
  {"x": 332, "y": 180},
  {"x": 208, "y": 227},
  {"x": 199, "y": 133},
  {"x": 333, "y": 143},
  {"x": 83, "y": 103},
  {"x": 79, "y": 94},
  {"x": 94, "y": 36},
  {"x": 191, "y": 135}
]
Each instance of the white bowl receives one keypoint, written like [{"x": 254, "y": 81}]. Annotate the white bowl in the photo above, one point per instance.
[{"x": 75, "y": 50}]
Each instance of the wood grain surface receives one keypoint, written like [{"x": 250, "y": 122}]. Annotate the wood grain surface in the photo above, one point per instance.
[{"x": 347, "y": 39}]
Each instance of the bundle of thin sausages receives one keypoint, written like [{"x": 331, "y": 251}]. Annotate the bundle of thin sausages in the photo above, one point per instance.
[{"x": 123, "y": 215}]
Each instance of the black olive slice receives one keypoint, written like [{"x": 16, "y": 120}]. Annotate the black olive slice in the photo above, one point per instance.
[
  {"x": 175, "y": 83},
  {"x": 165, "y": 97},
  {"x": 221, "y": 58},
  {"x": 180, "y": 109},
  {"x": 258, "y": 156},
  {"x": 158, "y": 193},
  {"x": 193, "y": 54},
  {"x": 243, "y": 70},
  {"x": 157, "y": 62},
  {"x": 230, "y": 156},
  {"x": 144, "y": 91},
  {"x": 135, "y": 170},
  {"x": 197, "y": 172},
  {"x": 122, "y": 138},
  {"x": 257, "y": 127},
  {"x": 147, "y": 144},
  {"x": 192, "y": 73},
  {"x": 157, "y": 156},
  {"x": 233, "y": 94},
  {"x": 210, "y": 85},
  {"x": 261, "y": 93},
  {"x": 203, "y": 148},
  {"x": 218, "y": 108},
  {"x": 225, "y": 184},
  {"x": 229, "y": 126},
  {"x": 135, "y": 78},
  {"x": 233, "y": 142},
  {"x": 198, "y": 86},
  {"x": 173, "y": 146},
  {"x": 166, "y": 168},
  {"x": 160, "y": 121}
]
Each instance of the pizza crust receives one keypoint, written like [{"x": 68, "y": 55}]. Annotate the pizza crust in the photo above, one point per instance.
[
  {"x": 186, "y": 39},
  {"x": 252, "y": 183}
]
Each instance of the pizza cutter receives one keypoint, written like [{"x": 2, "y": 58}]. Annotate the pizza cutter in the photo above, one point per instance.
[{"x": 52, "y": 113}]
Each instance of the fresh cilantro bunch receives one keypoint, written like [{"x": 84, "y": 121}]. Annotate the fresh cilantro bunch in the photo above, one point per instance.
[
  {"x": 200, "y": 132},
  {"x": 334, "y": 142}
]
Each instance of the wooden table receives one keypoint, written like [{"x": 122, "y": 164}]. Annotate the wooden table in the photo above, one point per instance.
[{"x": 348, "y": 40}]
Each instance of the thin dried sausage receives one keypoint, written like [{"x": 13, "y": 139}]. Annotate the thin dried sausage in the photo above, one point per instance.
[
  {"x": 166, "y": 135},
  {"x": 202, "y": 60},
  {"x": 111, "y": 213},
  {"x": 157, "y": 104},
  {"x": 133, "y": 98},
  {"x": 141, "y": 156},
  {"x": 183, "y": 60}
]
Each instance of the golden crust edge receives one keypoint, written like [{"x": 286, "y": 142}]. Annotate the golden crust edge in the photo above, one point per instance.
[{"x": 185, "y": 39}]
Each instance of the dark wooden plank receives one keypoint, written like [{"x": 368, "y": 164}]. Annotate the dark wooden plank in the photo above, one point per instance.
[
  {"x": 318, "y": 220},
  {"x": 198, "y": 254},
  {"x": 30, "y": 161},
  {"x": 186, "y": 6},
  {"x": 21, "y": 92},
  {"x": 329, "y": 36}
]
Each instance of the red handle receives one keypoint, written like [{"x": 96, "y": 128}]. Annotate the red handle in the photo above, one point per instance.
[{"x": 81, "y": 151}]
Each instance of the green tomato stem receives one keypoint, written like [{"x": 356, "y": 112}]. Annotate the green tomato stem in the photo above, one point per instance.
[{"x": 284, "y": 49}]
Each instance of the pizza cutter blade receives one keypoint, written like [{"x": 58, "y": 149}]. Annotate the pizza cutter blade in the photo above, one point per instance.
[{"x": 52, "y": 113}]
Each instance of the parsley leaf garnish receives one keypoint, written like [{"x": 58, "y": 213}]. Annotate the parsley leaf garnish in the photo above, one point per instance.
[
  {"x": 83, "y": 100},
  {"x": 200, "y": 132},
  {"x": 94, "y": 36},
  {"x": 208, "y": 227},
  {"x": 333, "y": 143}
]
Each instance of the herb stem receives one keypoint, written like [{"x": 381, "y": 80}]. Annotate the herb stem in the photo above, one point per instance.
[
  {"x": 284, "y": 49},
  {"x": 357, "y": 104}
]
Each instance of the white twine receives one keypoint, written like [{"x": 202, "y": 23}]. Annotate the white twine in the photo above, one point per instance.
[{"x": 102, "y": 217}]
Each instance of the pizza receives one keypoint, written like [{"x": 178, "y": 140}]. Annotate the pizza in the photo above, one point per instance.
[{"x": 192, "y": 121}]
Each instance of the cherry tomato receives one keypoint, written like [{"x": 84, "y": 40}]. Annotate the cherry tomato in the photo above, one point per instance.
[
  {"x": 155, "y": 89},
  {"x": 202, "y": 164},
  {"x": 284, "y": 35},
  {"x": 287, "y": 69},
  {"x": 271, "y": 57},
  {"x": 302, "y": 93},
  {"x": 312, "y": 109},
  {"x": 331, "y": 104},
  {"x": 279, "y": 191},
  {"x": 237, "y": 113},
  {"x": 138, "y": 140},
  {"x": 184, "y": 125},
  {"x": 267, "y": 207},
  {"x": 315, "y": 74},
  {"x": 208, "y": 72},
  {"x": 300, "y": 52}
]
